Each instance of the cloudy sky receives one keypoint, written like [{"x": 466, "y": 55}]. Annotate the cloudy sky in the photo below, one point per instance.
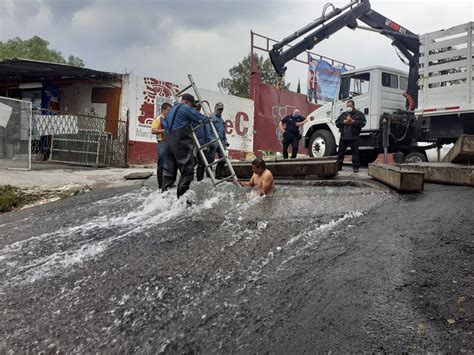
[{"x": 168, "y": 39}]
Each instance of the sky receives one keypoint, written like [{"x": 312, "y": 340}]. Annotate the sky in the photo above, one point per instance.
[{"x": 168, "y": 39}]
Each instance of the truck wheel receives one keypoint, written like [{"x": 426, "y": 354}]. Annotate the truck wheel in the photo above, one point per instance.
[
  {"x": 322, "y": 144},
  {"x": 415, "y": 157}
]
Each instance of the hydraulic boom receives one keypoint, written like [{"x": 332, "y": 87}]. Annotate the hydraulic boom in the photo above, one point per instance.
[{"x": 405, "y": 41}]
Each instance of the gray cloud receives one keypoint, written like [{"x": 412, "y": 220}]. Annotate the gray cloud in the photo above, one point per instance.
[
  {"x": 171, "y": 38},
  {"x": 65, "y": 9}
]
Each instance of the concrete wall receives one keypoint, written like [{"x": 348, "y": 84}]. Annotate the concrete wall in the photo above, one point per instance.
[
  {"x": 142, "y": 98},
  {"x": 77, "y": 98}
]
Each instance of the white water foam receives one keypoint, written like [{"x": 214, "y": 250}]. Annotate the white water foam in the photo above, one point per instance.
[{"x": 45, "y": 255}]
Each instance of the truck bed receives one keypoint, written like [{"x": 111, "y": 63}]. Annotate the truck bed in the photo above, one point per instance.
[{"x": 446, "y": 71}]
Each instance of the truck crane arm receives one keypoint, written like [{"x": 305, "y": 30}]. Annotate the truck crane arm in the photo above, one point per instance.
[{"x": 405, "y": 41}]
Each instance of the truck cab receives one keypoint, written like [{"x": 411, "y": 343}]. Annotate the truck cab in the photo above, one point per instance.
[{"x": 375, "y": 90}]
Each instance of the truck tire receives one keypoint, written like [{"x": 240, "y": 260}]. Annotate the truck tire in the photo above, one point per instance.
[
  {"x": 322, "y": 144},
  {"x": 415, "y": 157}
]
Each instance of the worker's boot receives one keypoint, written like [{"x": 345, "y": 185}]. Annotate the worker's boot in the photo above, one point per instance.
[{"x": 159, "y": 176}]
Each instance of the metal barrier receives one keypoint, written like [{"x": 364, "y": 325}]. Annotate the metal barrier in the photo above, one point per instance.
[
  {"x": 78, "y": 139},
  {"x": 15, "y": 134}
]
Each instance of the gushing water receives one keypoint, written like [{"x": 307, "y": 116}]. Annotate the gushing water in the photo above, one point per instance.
[
  {"x": 242, "y": 218},
  {"x": 145, "y": 264}
]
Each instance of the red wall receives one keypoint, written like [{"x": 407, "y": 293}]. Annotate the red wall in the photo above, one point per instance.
[
  {"x": 141, "y": 153},
  {"x": 271, "y": 105}
]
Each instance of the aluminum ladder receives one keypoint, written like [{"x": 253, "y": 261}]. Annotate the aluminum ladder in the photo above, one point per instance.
[{"x": 177, "y": 93}]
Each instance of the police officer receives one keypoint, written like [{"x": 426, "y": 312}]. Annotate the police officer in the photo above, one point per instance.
[{"x": 289, "y": 126}]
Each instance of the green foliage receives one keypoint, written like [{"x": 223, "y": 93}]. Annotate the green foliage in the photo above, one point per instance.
[
  {"x": 35, "y": 48},
  {"x": 76, "y": 61},
  {"x": 10, "y": 197},
  {"x": 239, "y": 82}
]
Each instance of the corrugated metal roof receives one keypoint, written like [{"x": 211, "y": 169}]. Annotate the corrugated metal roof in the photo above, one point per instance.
[{"x": 24, "y": 70}]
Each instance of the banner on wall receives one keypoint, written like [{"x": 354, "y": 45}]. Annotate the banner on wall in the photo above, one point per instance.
[{"x": 323, "y": 79}]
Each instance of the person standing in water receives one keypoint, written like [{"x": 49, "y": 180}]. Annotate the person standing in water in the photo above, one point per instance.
[{"x": 262, "y": 178}]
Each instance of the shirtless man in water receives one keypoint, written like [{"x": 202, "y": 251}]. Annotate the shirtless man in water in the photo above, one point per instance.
[{"x": 262, "y": 179}]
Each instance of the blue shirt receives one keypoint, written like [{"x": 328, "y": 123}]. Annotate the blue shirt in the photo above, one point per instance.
[
  {"x": 203, "y": 134},
  {"x": 185, "y": 116},
  {"x": 219, "y": 123}
]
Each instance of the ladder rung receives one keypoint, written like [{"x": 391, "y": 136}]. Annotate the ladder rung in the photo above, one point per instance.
[
  {"x": 217, "y": 161},
  {"x": 204, "y": 123},
  {"x": 225, "y": 179},
  {"x": 208, "y": 144},
  {"x": 183, "y": 90}
]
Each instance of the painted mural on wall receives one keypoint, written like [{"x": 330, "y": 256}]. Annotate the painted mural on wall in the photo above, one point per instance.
[
  {"x": 154, "y": 94},
  {"x": 238, "y": 112}
]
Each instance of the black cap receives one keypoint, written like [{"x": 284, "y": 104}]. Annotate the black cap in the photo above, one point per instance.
[{"x": 188, "y": 97}]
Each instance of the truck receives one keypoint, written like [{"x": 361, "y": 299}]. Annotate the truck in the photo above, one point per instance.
[{"x": 430, "y": 105}]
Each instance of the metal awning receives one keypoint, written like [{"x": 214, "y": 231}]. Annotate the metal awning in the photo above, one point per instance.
[{"x": 27, "y": 70}]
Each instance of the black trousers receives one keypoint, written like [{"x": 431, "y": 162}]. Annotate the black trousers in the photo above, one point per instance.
[
  {"x": 201, "y": 166},
  {"x": 179, "y": 156},
  {"x": 212, "y": 153},
  {"x": 343, "y": 144},
  {"x": 294, "y": 140}
]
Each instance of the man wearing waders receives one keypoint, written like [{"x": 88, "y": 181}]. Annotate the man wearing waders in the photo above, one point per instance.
[{"x": 180, "y": 144}]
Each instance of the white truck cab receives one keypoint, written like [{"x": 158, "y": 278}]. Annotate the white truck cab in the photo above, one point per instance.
[{"x": 375, "y": 90}]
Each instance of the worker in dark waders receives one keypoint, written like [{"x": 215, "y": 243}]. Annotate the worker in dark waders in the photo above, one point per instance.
[{"x": 180, "y": 144}]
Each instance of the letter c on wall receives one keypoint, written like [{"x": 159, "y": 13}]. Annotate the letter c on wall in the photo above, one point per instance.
[{"x": 241, "y": 116}]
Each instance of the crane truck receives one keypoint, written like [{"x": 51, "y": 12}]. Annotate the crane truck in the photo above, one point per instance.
[{"x": 431, "y": 105}]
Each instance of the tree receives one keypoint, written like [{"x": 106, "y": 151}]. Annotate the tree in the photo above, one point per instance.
[
  {"x": 239, "y": 82},
  {"x": 298, "y": 89},
  {"x": 76, "y": 61},
  {"x": 35, "y": 48}
]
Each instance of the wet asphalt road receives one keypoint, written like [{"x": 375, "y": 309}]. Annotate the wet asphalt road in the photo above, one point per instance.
[{"x": 307, "y": 269}]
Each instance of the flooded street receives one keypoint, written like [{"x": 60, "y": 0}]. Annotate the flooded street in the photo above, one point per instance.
[{"x": 326, "y": 268}]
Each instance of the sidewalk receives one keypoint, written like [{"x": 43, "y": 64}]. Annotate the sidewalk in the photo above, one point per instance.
[{"x": 49, "y": 177}]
